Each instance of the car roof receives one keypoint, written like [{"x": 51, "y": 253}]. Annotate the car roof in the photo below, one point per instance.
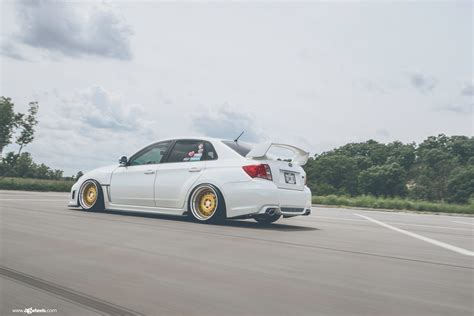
[{"x": 206, "y": 138}]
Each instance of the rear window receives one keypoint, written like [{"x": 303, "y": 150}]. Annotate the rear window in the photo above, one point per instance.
[{"x": 241, "y": 149}]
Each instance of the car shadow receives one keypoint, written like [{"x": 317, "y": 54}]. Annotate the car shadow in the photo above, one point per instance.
[
  {"x": 247, "y": 224},
  {"x": 274, "y": 226}
]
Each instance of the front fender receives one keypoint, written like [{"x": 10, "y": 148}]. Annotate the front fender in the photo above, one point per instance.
[{"x": 101, "y": 175}]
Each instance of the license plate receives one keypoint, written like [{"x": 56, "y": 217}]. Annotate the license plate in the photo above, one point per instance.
[{"x": 290, "y": 178}]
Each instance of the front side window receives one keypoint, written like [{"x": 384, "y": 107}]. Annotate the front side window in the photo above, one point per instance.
[
  {"x": 152, "y": 155},
  {"x": 192, "y": 150}
]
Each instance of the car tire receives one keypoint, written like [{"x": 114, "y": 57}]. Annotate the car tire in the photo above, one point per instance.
[
  {"x": 90, "y": 196},
  {"x": 206, "y": 204},
  {"x": 268, "y": 219}
]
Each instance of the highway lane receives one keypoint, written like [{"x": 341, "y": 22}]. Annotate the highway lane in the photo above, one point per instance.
[{"x": 334, "y": 262}]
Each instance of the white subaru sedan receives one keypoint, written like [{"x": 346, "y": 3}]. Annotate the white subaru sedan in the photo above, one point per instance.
[{"x": 204, "y": 178}]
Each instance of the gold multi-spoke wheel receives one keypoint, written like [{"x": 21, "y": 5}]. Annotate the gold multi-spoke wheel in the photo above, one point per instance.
[
  {"x": 90, "y": 195},
  {"x": 204, "y": 203}
]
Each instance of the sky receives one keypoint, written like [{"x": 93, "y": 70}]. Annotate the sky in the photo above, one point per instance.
[{"x": 113, "y": 76}]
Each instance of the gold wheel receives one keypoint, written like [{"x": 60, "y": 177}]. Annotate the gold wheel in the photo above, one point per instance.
[
  {"x": 204, "y": 202},
  {"x": 89, "y": 194}
]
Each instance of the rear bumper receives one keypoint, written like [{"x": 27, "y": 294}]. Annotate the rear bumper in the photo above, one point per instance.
[{"x": 257, "y": 196}]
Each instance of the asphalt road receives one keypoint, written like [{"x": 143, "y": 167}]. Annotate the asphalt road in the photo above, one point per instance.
[{"x": 334, "y": 262}]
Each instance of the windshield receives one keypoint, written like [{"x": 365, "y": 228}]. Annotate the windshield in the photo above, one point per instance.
[{"x": 241, "y": 149}]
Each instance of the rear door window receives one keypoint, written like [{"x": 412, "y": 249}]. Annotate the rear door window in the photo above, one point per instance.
[{"x": 192, "y": 150}]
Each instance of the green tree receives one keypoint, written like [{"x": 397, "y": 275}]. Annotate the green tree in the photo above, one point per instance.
[
  {"x": 79, "y": 174},
  {"x": 42, "y": 171},
  {"x": 403, "y": 154},
  {"x": 8, "y": 164},
  {"x": 460, "y": 186},
  {"x": 8, "y": 120},
  {"x": 24, "y": 166},
  {"x": 27, "y": 125},
  {"x": 371, "y": 149},
  {"x": 56, "y": 174},
  {"x": 433, "y": 169},
  {"x": 385, "y": 180},
  {"x": 333, "y": 174}
]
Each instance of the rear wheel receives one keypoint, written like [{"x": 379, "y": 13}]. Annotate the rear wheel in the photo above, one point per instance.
[
  {"x": 206, "y": 204},
  {"x": 267, "y": 219},
  {"x": 90, "y": 196}
]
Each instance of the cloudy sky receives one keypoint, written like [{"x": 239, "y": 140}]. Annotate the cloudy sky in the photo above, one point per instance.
[{"x": 111, "y": 77}]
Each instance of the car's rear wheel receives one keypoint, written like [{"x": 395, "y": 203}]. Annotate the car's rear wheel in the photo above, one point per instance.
[
  {"x": 90, "y": 196},
  {"x": 206, "y": 204},
  {"x": 267, "y": 219}
]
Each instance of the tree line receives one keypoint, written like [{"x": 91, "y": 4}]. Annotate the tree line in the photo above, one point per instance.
[
  {"x": 441, "y": 169},
  {"x": 20, "y": 128}
]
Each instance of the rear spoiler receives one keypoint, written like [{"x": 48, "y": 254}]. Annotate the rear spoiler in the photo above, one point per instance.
[{"x": 260, "y": 151}]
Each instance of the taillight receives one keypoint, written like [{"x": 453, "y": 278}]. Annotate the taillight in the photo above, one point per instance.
[{"x": 259, "y": 171}]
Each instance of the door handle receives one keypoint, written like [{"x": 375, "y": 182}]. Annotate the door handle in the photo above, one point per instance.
[
  {"x": 149, "y": 172},
  {"x": 194, "y": 169}
]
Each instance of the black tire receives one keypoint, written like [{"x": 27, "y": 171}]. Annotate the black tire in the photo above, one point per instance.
[
  {"x": 198, "y": 215},
  {"x": 84, "y": 196},
  {"x": 268, "y": 219}
]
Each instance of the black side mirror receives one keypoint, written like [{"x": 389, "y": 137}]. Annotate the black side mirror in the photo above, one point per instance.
[{"x": 123, "y": 161}]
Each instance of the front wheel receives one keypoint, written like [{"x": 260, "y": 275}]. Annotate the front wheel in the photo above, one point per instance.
[
  {"x": 90, "y": 196},
  {"x": 206, "y": 204}
]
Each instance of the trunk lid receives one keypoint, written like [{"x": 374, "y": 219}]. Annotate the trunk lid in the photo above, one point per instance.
[{"x": 287, "y": 173}]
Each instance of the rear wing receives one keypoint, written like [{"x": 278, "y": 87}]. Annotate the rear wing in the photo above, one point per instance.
[{"x": 260, "y": 152}]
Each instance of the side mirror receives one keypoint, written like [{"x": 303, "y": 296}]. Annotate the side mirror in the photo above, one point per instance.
[{"x": 123, "y": 161}]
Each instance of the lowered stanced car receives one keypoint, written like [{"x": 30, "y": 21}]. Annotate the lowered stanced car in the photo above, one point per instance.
[{"x": 204, "y": 178}]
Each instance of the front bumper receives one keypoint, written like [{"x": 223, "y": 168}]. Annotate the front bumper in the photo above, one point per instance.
[{"x": 73, "y": 202}]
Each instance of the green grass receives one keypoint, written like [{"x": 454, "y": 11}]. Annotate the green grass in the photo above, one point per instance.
[
  {"x": 35, "y": 184},
  {"x": 393, "y": 203}
]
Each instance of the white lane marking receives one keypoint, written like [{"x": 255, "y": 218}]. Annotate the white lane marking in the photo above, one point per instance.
[
  {"x": 32, "y": 194},
  {"x": 397, "y": 223},
  {"x": 393, "y": 212},
  {"x": 429, "y": 240},
  {"x": 46, "y": 200},
  {"x": 463, "y": 222}
]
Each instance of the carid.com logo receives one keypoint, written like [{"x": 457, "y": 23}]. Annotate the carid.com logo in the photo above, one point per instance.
[{"x": 31, "y": 310}]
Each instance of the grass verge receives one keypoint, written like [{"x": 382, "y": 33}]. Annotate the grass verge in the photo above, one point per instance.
[
  {"x": 394, "y": 203},
  {"x": 35, "y": 184}
]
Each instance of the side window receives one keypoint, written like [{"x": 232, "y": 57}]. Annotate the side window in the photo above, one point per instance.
[
  {"x": 153, "y": 155},
  {"x": 209, "y": 152},
  {"x": 192, "y": 150}
]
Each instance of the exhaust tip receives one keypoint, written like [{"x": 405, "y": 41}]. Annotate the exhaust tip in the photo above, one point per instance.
[{"x": 270, "y": 211}]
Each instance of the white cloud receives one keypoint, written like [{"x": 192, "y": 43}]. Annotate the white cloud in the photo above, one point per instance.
[
  {"x": 72, "y": 30},
  {"x": 468, "y": 90},
  {"x": 227, "y": 124},
  {"x": 461, "y": 109},
  {"x": 353, "y": 80},
  {"x": 91, "y": 126},
  {"x": 97, "y": 108},
  {"x": 422, "y": 83},
  {"x": 10, "y": 49}
]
